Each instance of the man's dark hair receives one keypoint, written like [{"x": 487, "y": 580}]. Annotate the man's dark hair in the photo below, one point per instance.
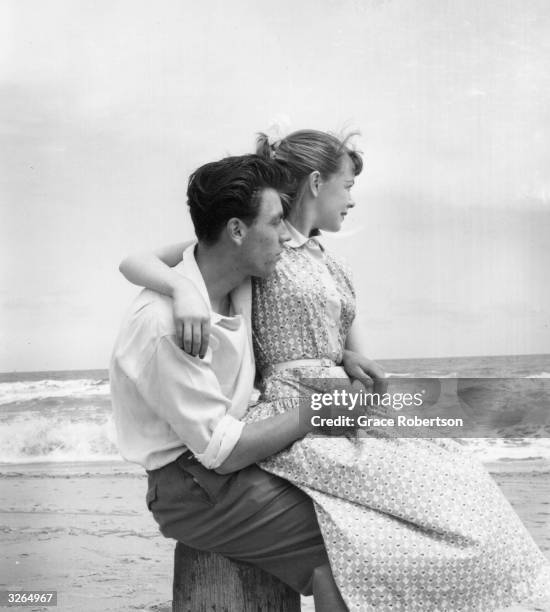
[{"x": 229, "y": 188}]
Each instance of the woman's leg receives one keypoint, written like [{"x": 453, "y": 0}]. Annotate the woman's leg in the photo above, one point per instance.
[{"x": 326, "y": 595}]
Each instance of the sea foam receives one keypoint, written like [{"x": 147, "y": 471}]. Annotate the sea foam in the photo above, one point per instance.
[
  {"x": 26, "y": 391},
  {"x": 34, "y": 438}
]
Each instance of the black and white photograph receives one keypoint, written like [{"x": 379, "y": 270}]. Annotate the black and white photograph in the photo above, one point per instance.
[{"x": 275, "y": 305}]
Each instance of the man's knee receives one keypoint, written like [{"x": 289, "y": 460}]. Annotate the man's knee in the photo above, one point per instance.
[{"x": 322, "y": 573}]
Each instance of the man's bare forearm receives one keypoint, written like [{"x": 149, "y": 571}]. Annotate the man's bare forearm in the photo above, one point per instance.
[{"x": 264, "y": 438}]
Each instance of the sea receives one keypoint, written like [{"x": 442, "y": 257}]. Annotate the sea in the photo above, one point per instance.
[{"x": 66, "y": 417}]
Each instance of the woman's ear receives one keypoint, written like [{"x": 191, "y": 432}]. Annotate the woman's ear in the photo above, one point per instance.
[
  {"x": 314, "y": 182},
  {"x": 236, "y": 230}
]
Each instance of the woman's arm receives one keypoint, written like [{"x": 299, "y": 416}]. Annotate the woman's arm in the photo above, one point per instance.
[
  {"x": 153, "y": 270},
  {"x": 355, "y": 363},
  {"x": 191, "y": 312},
  {"x": 355, "y": 340}
]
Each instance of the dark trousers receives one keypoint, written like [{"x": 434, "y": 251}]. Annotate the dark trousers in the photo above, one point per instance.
[{"x": 250, "y": 516}]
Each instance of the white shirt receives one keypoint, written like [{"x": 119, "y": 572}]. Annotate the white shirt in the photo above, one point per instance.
[{"x": 166, "y": 401}]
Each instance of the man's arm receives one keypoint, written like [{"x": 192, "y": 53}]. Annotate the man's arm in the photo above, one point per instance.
[
  {"x": 185, "y": 393},
  {"x": 264, "y": 438}
]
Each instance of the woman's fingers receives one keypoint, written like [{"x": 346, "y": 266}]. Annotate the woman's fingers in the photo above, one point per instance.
[
  {"x": 374, "y": 370},
  {"x": 179, "y": 335},
  {"x": 187, "y": 344},
  {"x": 205, "y": 337},
  {"x": 190, "y": 314},
  {"x": 359, "y": 386},
  {"x": 195, "y": 337},
  {"x": 378, "y": 376},
  {"x": 358, "y": 373}
]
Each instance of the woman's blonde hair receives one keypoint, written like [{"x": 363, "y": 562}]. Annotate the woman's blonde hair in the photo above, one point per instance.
[{"x": 306, "y": 151}]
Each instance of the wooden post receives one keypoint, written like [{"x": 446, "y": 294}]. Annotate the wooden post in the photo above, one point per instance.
[{"x": 207, "y": 582}]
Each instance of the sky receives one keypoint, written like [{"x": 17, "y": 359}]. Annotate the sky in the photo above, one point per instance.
[{"x": 106, "y": 107}]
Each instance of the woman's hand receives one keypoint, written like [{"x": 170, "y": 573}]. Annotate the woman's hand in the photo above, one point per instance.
[
  {"x": 191, "y": 312},
  {"x": 191, "y": 317},
  {"x": 369, "y": 373}
]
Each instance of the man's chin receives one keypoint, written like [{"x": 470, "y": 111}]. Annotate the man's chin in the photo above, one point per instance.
[{"x": 267, "y": 270}]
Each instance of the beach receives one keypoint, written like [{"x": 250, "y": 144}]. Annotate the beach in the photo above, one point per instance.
[
  {"x": 84, "y": 530},
  {"x": 73, "y": 516}
]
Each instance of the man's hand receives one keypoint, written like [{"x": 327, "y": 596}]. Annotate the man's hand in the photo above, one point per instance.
[
  {"x": 192, "y": 319},
  {"x": 368, "y": 373}
]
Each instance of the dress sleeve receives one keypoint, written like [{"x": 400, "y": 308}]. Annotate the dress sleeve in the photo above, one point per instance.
[{"x": 184, "y": 391}]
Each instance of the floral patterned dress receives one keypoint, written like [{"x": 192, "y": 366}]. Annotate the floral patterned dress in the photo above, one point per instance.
[{"x": 409, "y": 524}]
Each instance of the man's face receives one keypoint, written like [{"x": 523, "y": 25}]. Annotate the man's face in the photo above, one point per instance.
[{"x": 265, "y": 237}]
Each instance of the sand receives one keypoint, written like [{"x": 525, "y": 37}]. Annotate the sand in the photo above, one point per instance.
[{"x": 85, "y": 531}]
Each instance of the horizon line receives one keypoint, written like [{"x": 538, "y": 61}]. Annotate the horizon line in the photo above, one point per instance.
[{"x": 16, "y": 371}]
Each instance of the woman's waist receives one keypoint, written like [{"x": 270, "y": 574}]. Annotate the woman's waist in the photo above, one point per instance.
[{"x": 322, "y": 368}]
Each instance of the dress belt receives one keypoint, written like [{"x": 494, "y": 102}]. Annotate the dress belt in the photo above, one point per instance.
[{"x": 301, "y": 363}]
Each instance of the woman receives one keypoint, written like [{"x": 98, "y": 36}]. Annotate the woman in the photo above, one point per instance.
[{"x": 409, "y": 524}]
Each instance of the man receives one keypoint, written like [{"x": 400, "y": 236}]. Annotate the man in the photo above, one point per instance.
[{"x": 179, "y": 415}]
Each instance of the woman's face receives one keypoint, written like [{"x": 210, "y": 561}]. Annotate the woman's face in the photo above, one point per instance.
[{"x": 334, "y": 197}]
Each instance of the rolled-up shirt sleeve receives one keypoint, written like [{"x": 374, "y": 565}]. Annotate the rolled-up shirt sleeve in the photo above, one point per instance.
[
  {"x": 185, "y": 393},
  {"x": 223, "y": 441}
]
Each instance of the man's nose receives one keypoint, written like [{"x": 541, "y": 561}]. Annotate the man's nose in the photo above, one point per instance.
[{"x": 351, "y": 203}]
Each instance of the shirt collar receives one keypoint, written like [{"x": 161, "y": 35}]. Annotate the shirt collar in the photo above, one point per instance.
[{"x": 297, "y": 239}]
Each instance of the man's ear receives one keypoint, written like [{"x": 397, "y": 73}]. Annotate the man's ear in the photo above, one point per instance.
[
  {"x": 314, "y": 182},
  {"x": 236, "y": 230}
]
